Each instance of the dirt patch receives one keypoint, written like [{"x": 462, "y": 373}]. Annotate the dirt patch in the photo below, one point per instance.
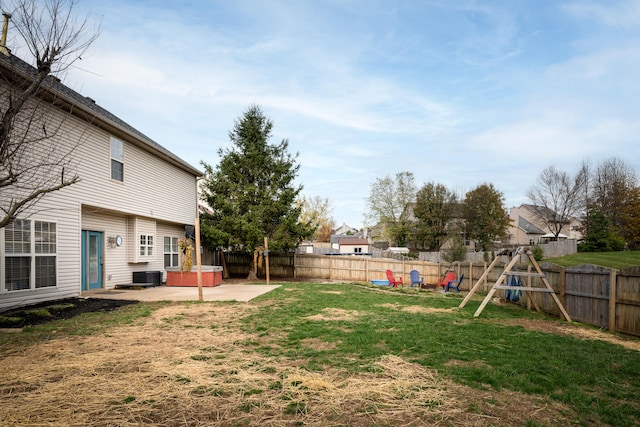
[
  {"x": 319, "y": 345},
  {"x": 192, "y": 365},
  {"x": 335, "y": 314},
  {"x": 426, "y": 310},
  {"x": 417, "y": 308},
  {"x": 56, "y": 310},
  {"x": 577, "y": 331}
]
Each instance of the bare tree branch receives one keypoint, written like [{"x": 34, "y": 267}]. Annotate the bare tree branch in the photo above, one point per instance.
[
  {"x": 558, "y": 197},
  {"x": 35, "y": 158}
]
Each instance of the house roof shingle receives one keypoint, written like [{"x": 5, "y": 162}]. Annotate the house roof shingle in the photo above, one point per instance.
[
  {"x": 528, "y": 227},
  {"x": 353, "y": 241}
]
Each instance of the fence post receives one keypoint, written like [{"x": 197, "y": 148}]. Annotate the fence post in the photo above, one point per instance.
[
  {"x": 563, "y": 286},
  {"x": 331, "y": 268},
  {"x": 612, "y": 300},
  {"x": 485, "y": 279},
  {"x": 366, "y": 270},
  {"x": 529, "y": 295},
  {"x": 470, "y": 274}
]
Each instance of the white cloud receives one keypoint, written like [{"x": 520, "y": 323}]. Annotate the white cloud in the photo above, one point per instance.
[
  {"x": 456, "y": 92},
  {"x": 621, "y": 14}
]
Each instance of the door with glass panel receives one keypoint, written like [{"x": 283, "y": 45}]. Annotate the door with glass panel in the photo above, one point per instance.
[{"x": 91, "y": 260}]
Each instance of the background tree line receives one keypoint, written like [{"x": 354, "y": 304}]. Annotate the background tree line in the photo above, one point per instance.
[
  {"x": 605, "y": 199},
  {"x": 434, "y": 214}
]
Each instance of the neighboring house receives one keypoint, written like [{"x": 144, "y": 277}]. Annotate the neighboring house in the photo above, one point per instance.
[
  {"x": 126, "y": 215},
  {"x": 528, "y": 229},
  {"x": 353, "y": 245},
  {"x": 345, "y": 229}
]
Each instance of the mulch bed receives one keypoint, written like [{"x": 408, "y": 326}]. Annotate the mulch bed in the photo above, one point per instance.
[{"x": 54, "y": 310}]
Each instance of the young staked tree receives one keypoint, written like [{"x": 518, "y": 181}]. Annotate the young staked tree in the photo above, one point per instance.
[
  {"x": 486, "y": 219},
  {"x": 388, "y": 205},
  {"x": 558, "y": 197},
  {"x": 252, "y": 193},
  {"x": 434, "y": 211},
  {"x": 32, "y": 163}
]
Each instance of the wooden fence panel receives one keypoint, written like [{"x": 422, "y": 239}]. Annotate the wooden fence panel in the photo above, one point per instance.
[
  {"x": 627, "y": 297},
  {"x": 280, "y": 265},
  {"x": 313, "y": 266},
  {"x": 546, "y": 302},
  {"x": 587, "y": 294},
  {"x": 349, "y": 268}
]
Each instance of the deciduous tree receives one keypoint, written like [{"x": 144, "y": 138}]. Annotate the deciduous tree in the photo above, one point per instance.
[
  {"x": 486, "y": 219},
  {"x": 388, "y": 203},
  {"x": 252, "y": 193},
  {"x": 55, "y": 39},
  {"x": 558, "y": 197},
  {"x": 434, "y": 211},
  {"x": 316, "y": 213}
]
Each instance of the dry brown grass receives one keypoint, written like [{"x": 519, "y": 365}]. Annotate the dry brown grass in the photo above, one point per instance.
[
  {"x": 191, "y": 365},
  {"x": 581, "y": 331}
]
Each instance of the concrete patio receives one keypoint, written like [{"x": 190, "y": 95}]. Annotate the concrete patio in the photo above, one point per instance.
[{"x": 224, "y": 292}]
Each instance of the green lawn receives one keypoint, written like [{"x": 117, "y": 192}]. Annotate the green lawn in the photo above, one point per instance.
[
  {"x": 617, "y": 260},
  {"x": 600, "y": 381}
]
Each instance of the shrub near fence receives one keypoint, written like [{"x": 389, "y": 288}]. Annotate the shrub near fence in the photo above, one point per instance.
[{"x": 602, "y": 297}]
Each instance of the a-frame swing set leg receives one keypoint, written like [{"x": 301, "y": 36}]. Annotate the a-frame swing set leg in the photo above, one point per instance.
[{"x": 502, "y": 278}]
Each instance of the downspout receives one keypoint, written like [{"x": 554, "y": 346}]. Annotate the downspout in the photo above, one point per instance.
[{"x": 5, "y": 29}]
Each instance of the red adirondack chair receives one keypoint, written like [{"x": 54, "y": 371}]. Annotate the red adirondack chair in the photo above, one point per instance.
[
  {"x": 449, "y": 277},
  {"x": 393, "y": 281}
]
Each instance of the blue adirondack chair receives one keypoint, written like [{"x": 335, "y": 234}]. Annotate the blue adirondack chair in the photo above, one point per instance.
[
  {"x": 453, "y": 285},
  {"x": 415, "y": 278}
]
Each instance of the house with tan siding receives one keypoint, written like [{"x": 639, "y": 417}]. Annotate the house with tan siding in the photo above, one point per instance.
[
  {"x": 526, "y": 227},
  {"x": 134, "y": 201}
]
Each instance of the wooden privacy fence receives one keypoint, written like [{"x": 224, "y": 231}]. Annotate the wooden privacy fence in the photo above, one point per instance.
[
  {"x": 606, "y": 298},
  {"x": 599, "y": 296}
]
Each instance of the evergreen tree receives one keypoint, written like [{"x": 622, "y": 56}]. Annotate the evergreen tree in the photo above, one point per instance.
[
  {"x": 251, "y": 193},
  {"x": 599, "y": 237}
]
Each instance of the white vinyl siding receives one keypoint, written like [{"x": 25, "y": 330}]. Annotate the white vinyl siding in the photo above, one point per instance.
[
  {"x": 142, "y": 232},
  {"x": 151, "y": 187},
  {"x": 155, "y": 188}
]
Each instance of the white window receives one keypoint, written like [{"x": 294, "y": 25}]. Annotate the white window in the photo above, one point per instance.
[
  {"x": 146, "y": 245},
  {"x": 171, "y": 252},
  {"x": 30, "y": 255},
  {"x": 117, "y": 159}
]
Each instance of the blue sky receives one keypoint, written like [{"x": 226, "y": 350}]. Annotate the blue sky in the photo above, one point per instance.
[{"x": 456, "y": 92}]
